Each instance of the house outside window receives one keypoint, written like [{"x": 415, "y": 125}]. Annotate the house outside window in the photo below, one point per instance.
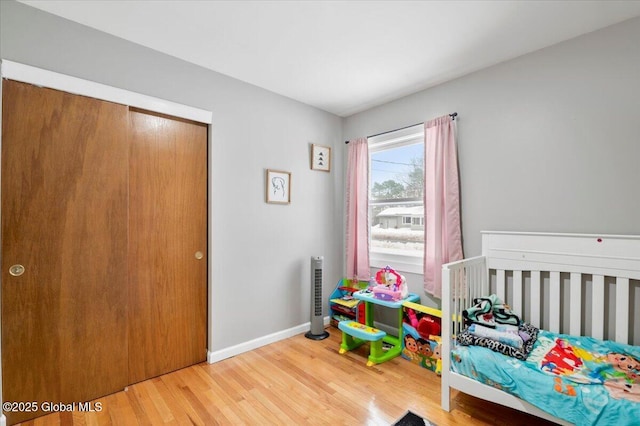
[{"x": 396, "y": 205}]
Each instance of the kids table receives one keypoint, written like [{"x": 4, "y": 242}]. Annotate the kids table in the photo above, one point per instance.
[{"x": 354, "y": 335}]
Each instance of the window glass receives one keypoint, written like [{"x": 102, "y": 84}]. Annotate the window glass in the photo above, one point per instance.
[{"x": 396, "y": 207}]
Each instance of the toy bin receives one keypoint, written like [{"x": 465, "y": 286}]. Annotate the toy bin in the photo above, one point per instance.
[{"x": 421, "y": 330}]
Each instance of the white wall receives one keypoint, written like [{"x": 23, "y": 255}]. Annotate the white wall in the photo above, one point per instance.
[
  {"x": 549, "y": 141},
  {"x": 260, "y": 252}
]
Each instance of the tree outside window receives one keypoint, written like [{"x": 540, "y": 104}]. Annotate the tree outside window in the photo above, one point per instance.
[{"x": 396, "y": 197}]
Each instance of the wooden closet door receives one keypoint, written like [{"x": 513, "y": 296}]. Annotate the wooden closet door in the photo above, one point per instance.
[
  {"x": 168, "y": 244},
  {"x": 64, "y": 218}
]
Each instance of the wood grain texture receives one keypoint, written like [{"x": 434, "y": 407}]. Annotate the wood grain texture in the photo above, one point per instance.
[
  {"x": 64, "y": 217},
  {"x": 296, "y": 381},
  {"x": 167, "y": 226}
]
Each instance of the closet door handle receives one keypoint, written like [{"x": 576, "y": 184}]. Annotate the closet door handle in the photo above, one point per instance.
[
  {"x": 16, "y": 270},
  {"x": 199, "y": 255}
]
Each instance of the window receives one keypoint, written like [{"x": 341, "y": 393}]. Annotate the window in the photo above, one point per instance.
[{"x": 396, "y": 208}]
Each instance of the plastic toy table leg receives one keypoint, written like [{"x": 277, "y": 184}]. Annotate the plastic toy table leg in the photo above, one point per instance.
[
  {"x": 376, "y": 354},
  {"x": 368, "y": 313}
]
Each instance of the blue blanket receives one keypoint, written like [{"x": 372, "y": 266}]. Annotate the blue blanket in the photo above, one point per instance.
[{"x": 582, "y": 380}]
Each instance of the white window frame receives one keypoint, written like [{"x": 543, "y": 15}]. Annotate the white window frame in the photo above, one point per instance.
[{"x": 379, "y": 258}]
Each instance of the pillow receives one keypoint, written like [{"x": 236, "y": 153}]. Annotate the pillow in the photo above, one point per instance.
[{"x": 466, "y": 339}]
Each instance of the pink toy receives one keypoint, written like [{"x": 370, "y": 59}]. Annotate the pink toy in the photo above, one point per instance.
[
  {"x": 391, "y": 285},
  {"x": 412, "y": 317}
]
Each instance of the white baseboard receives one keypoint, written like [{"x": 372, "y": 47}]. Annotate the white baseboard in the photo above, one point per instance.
[
  {"x": 256, "y": 343},
  {"x": 3, "y": 420}
]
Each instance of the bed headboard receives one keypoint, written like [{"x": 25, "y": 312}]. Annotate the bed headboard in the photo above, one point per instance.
[
  {"x": 588, "y": 282},
  {"x": 579, "y": 284}
]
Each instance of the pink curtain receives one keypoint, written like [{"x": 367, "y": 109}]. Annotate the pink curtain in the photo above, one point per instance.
[
  {"x": 358, "y": 210},
  {"x": 443, "y": 241}
]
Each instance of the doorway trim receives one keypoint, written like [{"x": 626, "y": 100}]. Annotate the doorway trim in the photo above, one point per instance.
[{"x": 53, "y": 80}]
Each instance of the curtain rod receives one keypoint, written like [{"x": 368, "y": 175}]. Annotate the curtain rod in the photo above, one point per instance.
[{"x": 453, "y": 116}]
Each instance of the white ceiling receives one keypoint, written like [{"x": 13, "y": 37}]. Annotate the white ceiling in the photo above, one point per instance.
[{"x": 344, "y": 56}]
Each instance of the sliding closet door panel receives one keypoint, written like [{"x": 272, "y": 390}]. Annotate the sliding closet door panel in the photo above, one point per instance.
[
  {"x": 64, "y": 219},
  {"x": 168, "y": 250}
]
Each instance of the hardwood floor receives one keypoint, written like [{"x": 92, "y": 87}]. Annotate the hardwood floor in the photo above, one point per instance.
[{"x": 296, "y": 381}]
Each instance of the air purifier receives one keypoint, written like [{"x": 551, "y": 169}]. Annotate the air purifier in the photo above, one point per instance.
[{"x": 317, "y": 331}]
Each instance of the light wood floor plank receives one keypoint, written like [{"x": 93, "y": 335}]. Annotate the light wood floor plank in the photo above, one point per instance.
[
  {"x": 296, "y": 381},
  {"x": 178, "y": 415},
  {"x": 155, "y": 399}
]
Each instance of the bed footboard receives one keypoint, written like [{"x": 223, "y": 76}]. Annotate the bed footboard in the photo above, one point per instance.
[{"x": 462, "y": 282}]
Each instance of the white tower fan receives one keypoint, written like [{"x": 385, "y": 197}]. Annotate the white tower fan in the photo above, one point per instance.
[{"x": 317, "y": 331}]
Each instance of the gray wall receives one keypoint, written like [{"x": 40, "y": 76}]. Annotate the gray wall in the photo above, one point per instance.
[
  {"x": 549, "y": 141},
  {"x": 260, "y": 252}
]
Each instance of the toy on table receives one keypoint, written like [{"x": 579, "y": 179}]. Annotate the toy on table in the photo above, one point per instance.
[{"x": 390, "y": 285}]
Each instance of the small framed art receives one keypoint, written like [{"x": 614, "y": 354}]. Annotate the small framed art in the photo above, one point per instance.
[
  {"x": 320, "y": 158},
  {"x": 278, "y": 187}
]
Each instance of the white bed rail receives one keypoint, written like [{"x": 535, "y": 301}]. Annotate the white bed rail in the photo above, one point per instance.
[
  {"x": 567, "y": 283},
  {"x": 462, "y": 281}
]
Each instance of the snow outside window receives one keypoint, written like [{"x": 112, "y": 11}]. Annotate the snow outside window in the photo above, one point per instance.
[{"x": 396, "y": 208}]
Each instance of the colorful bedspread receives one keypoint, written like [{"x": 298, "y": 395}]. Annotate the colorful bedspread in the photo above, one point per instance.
[{"x": 582, "y": 380}]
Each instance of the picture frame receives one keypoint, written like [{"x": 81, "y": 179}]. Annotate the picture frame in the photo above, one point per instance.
[
  {"x": 320, "y": 158},
  {"x": 278, "y": 187}
]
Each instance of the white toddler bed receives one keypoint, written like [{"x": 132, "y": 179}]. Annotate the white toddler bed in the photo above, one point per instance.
[{"x": 581, "y": 285}]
